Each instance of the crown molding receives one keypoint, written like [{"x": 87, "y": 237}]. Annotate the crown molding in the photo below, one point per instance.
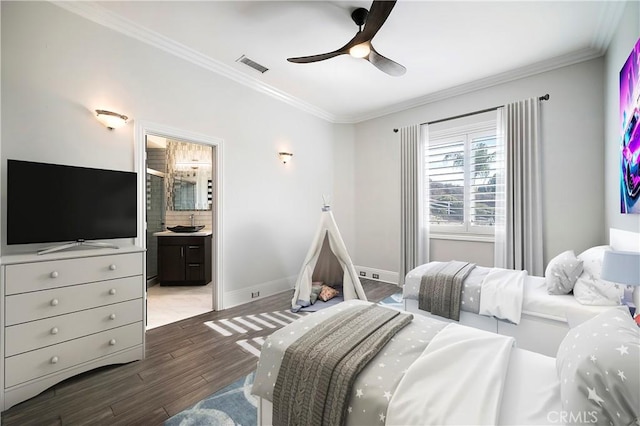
[
  {"x": 106, "y": 18},
  {"x": 602, "y": 36},
  {"x": 483, "y": 83}
]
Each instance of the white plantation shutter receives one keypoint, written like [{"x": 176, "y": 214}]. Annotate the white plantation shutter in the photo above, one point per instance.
[
  {"x": 446, "y": 163},
  {"x": 482, "y": 182},
  {"x": 463, "y": 164}
]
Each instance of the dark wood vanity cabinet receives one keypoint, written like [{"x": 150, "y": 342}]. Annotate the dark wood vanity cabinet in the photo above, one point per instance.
[{"x": 184, "y": 260}]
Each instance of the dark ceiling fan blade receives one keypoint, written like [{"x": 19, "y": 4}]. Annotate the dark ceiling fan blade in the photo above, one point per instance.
[
  {"x": 385, "y": 64},
  {"x": 378, "y": 14},
  {"x": 321, "y": 57},
  {"x": 316, "y": 58}
]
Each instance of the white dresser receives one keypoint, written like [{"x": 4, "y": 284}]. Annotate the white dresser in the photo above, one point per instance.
[{"x": 65, "y": 313}]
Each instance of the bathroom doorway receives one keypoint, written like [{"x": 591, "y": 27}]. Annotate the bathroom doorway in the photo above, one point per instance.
[{"x": 181, "y": 187}]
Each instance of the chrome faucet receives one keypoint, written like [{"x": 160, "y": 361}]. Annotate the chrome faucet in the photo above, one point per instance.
[{"x": 193, "y": 222}]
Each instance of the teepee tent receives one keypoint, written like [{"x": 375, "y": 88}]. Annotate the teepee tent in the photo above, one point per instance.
[{"x": 329, "y": 262}]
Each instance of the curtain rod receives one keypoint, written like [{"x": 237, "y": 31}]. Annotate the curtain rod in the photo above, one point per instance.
[{"x": 541, "y": 98}]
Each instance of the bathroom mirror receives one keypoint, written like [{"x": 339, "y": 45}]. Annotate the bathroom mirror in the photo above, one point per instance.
[
  {"x": 192, "y": 189},
  {"x": 188, "y": 183}
]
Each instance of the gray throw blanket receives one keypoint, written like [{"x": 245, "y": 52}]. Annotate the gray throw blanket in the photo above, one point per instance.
[
  {"x": 318, "y": 369},
  {"x": 440, "y": 289}
]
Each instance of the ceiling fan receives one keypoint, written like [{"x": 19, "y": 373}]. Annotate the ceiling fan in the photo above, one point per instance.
[{"x": 360, "y": 46}]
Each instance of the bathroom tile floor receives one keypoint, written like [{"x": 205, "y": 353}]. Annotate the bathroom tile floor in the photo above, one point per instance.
[{"x": 167, "y": 304}]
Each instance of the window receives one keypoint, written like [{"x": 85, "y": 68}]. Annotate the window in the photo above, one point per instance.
[{"x": 461, "y": 166}]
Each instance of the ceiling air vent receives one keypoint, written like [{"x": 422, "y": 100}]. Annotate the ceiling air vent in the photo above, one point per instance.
[{"x": 256, "y": 66}]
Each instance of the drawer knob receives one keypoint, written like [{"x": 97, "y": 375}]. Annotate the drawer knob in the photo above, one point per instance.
[
  {"x": 54, "y": 302},
  {"x": 54, "y": 360},
  {"x": 54, "y": 330},
  {"x": 112, "y": 267},
  {"x": 112, "y": 342},
  {"x": 54, "y": 274},
  {"x": 112, "y": 291},
  {"x": 112, "y": 316}
]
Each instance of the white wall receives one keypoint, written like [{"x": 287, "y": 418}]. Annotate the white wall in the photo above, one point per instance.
[
  {"x": 57, "y": 67},
  {"x": 572, "y": 133},
  {"x": 478, "y": 252},
  {"x": 343, "y": 201},
  {"x": 623, "y": 41}
]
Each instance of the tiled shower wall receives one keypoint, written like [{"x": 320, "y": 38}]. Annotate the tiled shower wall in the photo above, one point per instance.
[{"x": 156, "y": 159}]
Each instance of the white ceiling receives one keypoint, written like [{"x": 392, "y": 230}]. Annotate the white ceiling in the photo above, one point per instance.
[{"x": 448, "y": 47}]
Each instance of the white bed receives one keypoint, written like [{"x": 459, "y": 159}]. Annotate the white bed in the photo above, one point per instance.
[
  {"x": 447, "y": 380},
  {"x": 543, "y": 322},
  {"x": 545, "y": 319}
]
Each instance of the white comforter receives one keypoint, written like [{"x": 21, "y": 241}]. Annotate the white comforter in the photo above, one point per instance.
[
  {"x": 502, "y": 294},
  {"x": 466, "y": 370}
]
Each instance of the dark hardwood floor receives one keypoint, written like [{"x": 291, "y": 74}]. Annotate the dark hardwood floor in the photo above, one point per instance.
[{"x": 185, "y": 362}]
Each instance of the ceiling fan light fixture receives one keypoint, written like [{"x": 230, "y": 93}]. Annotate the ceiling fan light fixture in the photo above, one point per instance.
[
  {"x": 369, "y": 23},
  {"x": 360, "y": 50}
]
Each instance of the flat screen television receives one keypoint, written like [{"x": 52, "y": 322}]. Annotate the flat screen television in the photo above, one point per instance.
[{"x": 49, "y": 203}]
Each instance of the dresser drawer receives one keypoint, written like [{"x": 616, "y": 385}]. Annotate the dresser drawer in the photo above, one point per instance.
[
  {"x": 22, "y": 278},
  {"x": 20, "y": 308},
  {"x": 50, "y": 331},
  {"x": 31, "y": 365}
]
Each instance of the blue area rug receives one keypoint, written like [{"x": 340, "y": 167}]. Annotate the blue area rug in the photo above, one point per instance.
[
  {"x": 394, "y": 301},
  {"x": 230, "y": 406},
  {"x": 234, "y": 405}
]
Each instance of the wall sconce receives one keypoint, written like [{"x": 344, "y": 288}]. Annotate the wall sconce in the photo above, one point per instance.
[
  {"x": 110, "y": 119},
  {"x": 285, "y": 157}
]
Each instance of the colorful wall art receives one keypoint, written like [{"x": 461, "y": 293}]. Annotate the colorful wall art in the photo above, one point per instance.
[{"x": 630, "y": 133}]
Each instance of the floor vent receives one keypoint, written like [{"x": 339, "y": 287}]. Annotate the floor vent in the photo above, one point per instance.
[{"x": 256, "y": 66}]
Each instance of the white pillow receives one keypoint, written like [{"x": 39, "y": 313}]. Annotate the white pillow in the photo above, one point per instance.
[
  {"x": 562, "y": 272},
  {"x": 590, "y": 289}
]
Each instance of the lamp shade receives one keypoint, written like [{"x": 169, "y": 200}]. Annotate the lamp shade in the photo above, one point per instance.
[
  {"x": 622, "y": 267},
  {"x": 111, "y": 119}
]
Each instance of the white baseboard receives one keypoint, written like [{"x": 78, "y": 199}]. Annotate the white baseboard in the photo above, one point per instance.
[
  {"x": 239, "y": 297},
  {"x": 382, "y": 275}
]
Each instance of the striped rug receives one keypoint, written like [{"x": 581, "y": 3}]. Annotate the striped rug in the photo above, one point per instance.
[
  {"x": 241, "y": 325},
  {"x": 272, "y": 321},
  {"x": 265, "y": 321}
]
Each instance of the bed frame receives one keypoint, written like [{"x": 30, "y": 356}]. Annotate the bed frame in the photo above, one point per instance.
[
  {"x": 536, "y": 332},
  {"x": 265, "y": 412}
]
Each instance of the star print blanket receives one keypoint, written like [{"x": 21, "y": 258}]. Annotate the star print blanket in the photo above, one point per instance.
[
  {"x": 318, "y": 369},
  {"x": 381, "y": 380}
]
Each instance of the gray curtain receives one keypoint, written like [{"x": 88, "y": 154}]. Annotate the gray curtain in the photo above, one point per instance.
[
  {"x": 413, "y": 226},
  {"x": 518, "y": 242}
]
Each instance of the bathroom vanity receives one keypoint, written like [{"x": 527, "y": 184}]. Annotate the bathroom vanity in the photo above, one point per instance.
[{"x": 184, "y": 258}]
